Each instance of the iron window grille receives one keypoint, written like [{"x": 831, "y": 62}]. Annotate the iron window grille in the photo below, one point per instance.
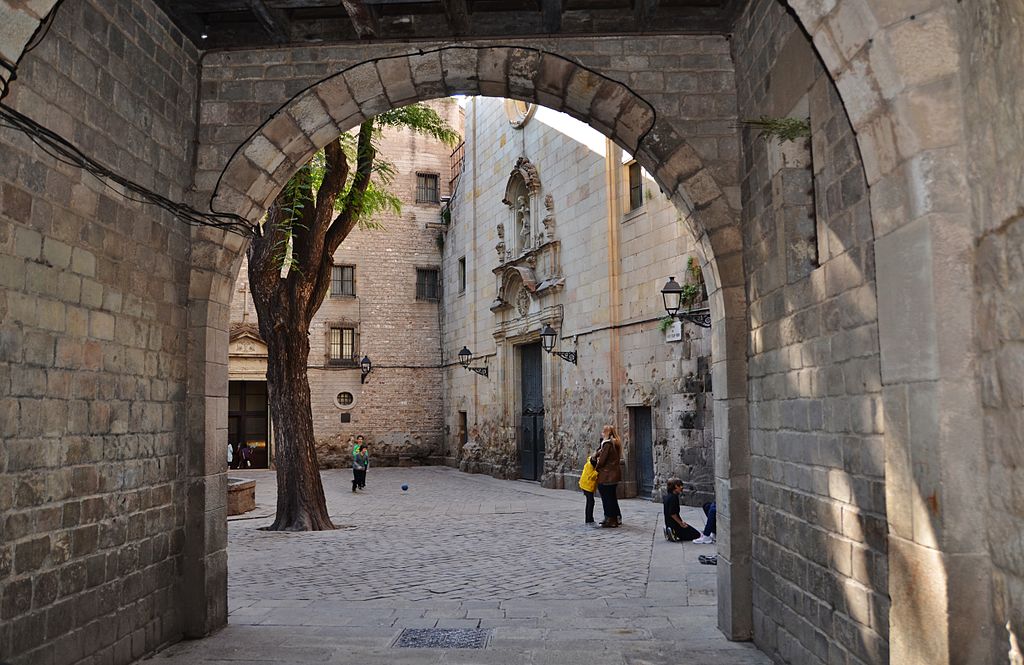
[
  {"x": 428, "y": 188},
  {"x": 342, "y": 348},
  {"x": 427, "y": 284}
]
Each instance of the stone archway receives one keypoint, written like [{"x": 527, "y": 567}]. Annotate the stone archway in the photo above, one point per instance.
[
  {"x": 914, "y": 153},
  {"x": 259, "y": 167}
]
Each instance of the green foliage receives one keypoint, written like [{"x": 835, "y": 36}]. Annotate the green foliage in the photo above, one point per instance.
[
  {"x": 691, "y": 293},
  {"x": 665, "y": 323},
  {"x": 421, "y": 119},
  {"x": 376, "y": 199},
  {"x": 781, "y": 129},
  {"x": 694, "y": 269}
]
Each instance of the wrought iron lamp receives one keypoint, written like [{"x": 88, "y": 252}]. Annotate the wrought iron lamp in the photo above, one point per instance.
[
  {"x": 547, "y": 341},
  {"x": 365, "y": 367},
  {"x": 672, "y": 294},
  {"x": 466, "y": 357}
]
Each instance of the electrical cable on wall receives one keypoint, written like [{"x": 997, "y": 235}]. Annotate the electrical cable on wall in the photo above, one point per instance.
[
  {"x": 65, "y": 152},
  {"x": 62, "y": 150}
]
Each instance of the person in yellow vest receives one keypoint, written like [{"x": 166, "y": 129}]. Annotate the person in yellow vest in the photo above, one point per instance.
[{"x": 588, "y": 483}]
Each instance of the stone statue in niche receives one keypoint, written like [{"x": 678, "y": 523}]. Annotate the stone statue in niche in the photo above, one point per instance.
[
  {"x": 549, "y": 219},
  {"x": 500, "y": 247},
  {"x": 523, "y": 221}
]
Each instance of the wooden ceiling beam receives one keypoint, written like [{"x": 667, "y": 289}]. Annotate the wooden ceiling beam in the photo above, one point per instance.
[
  {"x": 552, "y": 15},
  {"x": 644, "y": 11},
  {"x": 458, "y": 16},
  {"x": 273, "y": 20},
  {"x": 362, "y": 18}
]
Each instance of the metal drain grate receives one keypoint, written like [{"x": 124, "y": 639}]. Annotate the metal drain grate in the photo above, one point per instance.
[{"x": 443, "y": 638}]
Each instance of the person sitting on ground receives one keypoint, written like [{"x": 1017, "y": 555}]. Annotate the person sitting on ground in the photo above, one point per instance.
[
  {"x": 675, "y": 527},
  {"x": 711, "y": 516}
]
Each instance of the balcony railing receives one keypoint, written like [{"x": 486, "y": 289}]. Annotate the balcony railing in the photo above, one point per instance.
[{"x": 458, "y": 161}]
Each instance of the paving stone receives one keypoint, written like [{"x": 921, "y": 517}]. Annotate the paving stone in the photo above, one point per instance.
[{"x": 550, "y": 589}]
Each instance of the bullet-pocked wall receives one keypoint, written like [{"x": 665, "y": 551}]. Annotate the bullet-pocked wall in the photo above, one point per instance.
[
  {"x": 586, "y": 248},
  {"x": 93, "y": 341}
]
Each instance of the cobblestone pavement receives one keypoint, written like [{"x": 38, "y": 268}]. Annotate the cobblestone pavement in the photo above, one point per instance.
[{"x": 463, "y": 551}]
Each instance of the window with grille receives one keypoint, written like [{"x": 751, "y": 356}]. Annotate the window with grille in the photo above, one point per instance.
[
  {"x": 427, "y": 286},
  {"x": 341, "y": 346},
  {"x": 636, "y": 186},
  {"x": 428, "y": 189},
  {"x": 343, "y": 281}
]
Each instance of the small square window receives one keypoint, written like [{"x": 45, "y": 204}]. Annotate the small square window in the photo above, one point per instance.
[
  {"x": 341, "y": 346},
  {"x": 343, "y": 280},
  {"x": 636, "y": 186},
  {"x": 427, "y": 287},
  {"x": 462, "y": 275},
  {"x": 428, "y": 188}
]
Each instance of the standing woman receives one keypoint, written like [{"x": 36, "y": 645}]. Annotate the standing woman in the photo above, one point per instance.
[{"x": 606, "y": 461}]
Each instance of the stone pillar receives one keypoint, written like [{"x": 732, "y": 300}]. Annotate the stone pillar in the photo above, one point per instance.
[{"x": 203, "y": 590}]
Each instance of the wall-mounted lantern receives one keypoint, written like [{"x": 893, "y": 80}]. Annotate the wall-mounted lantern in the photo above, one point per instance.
[
  {"x": 672, "y": 294},
  {"x": 466, "y": 357},
  {"x": 365, "y": 367},
  {"x": 547, "y": 341}
]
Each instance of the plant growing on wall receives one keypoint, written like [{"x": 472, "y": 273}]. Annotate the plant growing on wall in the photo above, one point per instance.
[
  {"x": 781, "y": 129},
  {"x": 691, "y": 294},
  {"x": 290, "y": 261},
  {"x": 665, "y": 323}
]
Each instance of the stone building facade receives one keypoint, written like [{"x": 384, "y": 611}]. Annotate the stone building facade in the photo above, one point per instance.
[
  {"x": 552, "y": 224},
  {"x": 383, "y": 306},
  {"x": 114, "y": 315}
]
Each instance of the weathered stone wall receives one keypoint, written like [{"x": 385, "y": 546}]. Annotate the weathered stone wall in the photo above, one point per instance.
[
  {"x": 93, "y": 290},
  {"x": 399, "y": 408},
  {"x": 614, "y": 264},
  {"x": 820, "y": 582},
  {"x": 993, "y": 83}
]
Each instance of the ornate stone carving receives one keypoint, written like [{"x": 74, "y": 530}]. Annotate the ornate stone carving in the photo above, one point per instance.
[
  {"x": 549, "y": 219},
  {"x": 523, "y": 302},
  {"x": 500, "y": 247}
]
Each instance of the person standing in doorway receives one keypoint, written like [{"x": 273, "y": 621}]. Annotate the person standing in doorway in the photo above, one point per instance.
[
  {"x": 606, "y": 461},
  {"x": 245, "y": 453}
]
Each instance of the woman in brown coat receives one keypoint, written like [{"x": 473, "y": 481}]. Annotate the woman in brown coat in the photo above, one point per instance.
[{"x": 606, "y": 461}]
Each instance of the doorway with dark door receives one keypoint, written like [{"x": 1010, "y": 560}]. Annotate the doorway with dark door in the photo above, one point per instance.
[
  {"x": 247, "y": 422},
  {"x": 531, "y": 417},
  {"x": 643, "y": 446}
]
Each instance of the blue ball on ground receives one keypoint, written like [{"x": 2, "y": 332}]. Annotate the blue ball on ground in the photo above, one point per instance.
[{"x": 405, "y": 488}]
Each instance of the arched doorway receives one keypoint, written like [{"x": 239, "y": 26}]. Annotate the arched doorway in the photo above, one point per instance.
[{"x": 275, "y": 149}]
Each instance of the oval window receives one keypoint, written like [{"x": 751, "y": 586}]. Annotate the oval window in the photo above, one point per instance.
[{"x": 344, "y": 399}]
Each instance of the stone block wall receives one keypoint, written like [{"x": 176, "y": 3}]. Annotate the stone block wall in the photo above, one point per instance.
[
  {"x": 818, "y": 456},
  {"x": 93, "y": 293},
  {"x": 994, "y": 92}
]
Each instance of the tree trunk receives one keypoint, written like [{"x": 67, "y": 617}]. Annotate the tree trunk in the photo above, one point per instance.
[{"x": 301, "y": 505}]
